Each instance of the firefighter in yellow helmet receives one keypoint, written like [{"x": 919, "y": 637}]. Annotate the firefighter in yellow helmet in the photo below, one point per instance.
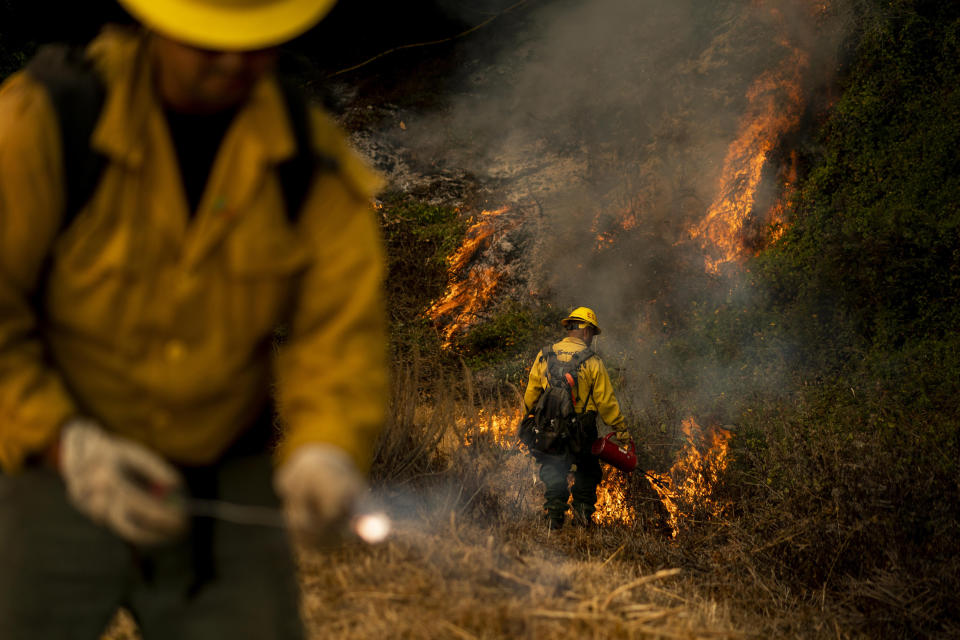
[
  {"x": 570, "y": 368},
  {"x": 145, "y": 263}
]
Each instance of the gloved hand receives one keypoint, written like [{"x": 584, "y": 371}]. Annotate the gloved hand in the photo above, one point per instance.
[
  {"x": 121, "y": 484},
  {"x": 319, "y": 486},
  {"x": 624, "y": 437}
]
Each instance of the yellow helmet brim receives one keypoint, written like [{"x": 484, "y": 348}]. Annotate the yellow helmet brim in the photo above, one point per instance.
[
  {"x": 229, "y": 25},
  {"x": 579, "y": 323}
]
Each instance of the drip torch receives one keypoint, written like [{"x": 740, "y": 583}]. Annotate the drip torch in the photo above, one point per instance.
[
  {"x": 619, "y": 456},
  {"x": 367, "y": 521}
]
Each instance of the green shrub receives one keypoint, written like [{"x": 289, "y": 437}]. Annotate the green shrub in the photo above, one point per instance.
[
  {"x": 419, "y": 238},
  {"x": 853, "y": 479},
  {"x": 509, "y": 330}
]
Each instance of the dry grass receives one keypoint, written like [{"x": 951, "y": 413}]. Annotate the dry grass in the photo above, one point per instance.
[
  {"x": 442, "y": 578},
  {"x": 470, "y": 558}
]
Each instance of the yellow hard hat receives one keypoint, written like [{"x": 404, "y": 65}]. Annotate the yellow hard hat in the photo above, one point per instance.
[
  {"x": 229, "y": 25},
  {"x": 582, "y": 316}
]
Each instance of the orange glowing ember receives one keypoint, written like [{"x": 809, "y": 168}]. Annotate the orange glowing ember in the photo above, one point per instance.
[
  {"x": 470, "y": 288},
  {"x": 626, "y": 219},
  {"x": 689, "y": 486}
]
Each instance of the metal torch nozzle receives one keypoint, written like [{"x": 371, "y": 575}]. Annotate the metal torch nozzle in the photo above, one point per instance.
[{"x": 367, "y": 523}]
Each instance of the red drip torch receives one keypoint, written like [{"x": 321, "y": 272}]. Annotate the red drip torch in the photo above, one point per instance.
[{"x": 621, "y": 457}]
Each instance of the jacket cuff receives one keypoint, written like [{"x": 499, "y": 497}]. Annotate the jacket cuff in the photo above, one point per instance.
[
  {"x": 36, "y": 430},
  {"x": 357, "y": 448}
]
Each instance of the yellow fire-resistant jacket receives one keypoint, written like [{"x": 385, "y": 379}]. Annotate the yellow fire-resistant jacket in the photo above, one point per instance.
[
  {"x": 159, "y": 325},
  {"x": 594, "y": 389}
]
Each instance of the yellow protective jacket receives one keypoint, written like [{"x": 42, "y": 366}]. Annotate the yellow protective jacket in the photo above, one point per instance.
[
  {"x": 159, "y": 325},
  {"x": 594, "y": 389}
]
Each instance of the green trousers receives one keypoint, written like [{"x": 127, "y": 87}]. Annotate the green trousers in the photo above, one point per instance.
[
  {"x": 63, "y": 577},
  {"x": 553, "y": 473}
]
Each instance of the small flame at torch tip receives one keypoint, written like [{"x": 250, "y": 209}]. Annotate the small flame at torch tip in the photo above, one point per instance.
[{"x": 372, "y": 528}]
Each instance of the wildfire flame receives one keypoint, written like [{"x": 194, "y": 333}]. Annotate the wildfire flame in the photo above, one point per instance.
[
  {"x": 775, "y": 105},
  {"x": 626, "y": 220},
  {"x": 690, "y": 484},
  {"x": 687, "y": 489},
  {"x": 501, "y": 426},
  {"x": 613, "y": 506},
  {"x": 468, "y": 292}
]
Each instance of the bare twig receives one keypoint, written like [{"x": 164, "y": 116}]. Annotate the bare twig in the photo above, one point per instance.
[
  {"x": 457, "y": 631},
  {"x": 614, "y": 554},
  {"x": 659, "y": 575}
]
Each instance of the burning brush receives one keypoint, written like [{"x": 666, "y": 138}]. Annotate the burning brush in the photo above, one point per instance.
[
  {"x": 690, "y": 484},
  {"x": 687, "y": 488}
]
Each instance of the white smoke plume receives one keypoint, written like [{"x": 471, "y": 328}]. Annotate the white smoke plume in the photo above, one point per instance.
[{"x": 615, "y": 118}]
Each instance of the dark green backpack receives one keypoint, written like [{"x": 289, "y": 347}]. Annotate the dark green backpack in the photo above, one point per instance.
[{"x": 553, "y": 427}]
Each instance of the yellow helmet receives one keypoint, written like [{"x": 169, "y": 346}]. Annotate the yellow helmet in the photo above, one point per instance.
[
  {"x": 582, "y": 316},
  {"x": 229, "y": 25}
]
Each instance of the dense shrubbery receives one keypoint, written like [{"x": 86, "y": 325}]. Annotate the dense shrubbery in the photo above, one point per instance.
[
  {"x": 511, "y": 328},
  {"x": 860, "y": 473},
  {"x": 419, "y": 239},
  {"x": 873, "y": 242}
]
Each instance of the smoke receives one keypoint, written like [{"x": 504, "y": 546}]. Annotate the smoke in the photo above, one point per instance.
[{"x": 615, "y": 118}]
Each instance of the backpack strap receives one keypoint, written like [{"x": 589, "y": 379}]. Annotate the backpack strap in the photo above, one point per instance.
[
  {"x": 576, "y": 361},
  {"x": 297, "y": 173},
  {"x": 563, "y": 374},
  {"x": 554, "y": 367},
  {"x": 580, "y": 357},
  {"x": 77, "y": 94}
]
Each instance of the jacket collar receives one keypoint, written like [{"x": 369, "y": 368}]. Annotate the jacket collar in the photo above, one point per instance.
[
  {"x": 131, "y": 101},
  {"x": 576, "y": 341}
]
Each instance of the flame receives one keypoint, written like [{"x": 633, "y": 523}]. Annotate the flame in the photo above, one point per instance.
[
  {"x": 777, "y": 214},
  {"x": 467, "y": 293},
  {"x": 501, "y": 426},
  {"x": 689, "y": 485},
  {"x": 613, "y": 506},
  {"x": 626, "y": 219},
  {"x": 687, "y": 489},
  {"x": 775, "y": 105},
  {"x": 613, "y": 499}
]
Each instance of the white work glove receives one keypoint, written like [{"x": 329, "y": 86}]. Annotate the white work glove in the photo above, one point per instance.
[
  {"x": 320, "y": 487},
  {"x": 121, "y": 484}
]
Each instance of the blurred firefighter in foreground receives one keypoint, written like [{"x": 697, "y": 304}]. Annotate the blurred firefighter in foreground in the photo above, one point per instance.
[
  {"x": 567, "y": 390},
  {"x": 145, "y": 262}
]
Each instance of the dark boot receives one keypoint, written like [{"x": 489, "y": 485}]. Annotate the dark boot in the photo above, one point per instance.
[{"x": 554, "y": 523}]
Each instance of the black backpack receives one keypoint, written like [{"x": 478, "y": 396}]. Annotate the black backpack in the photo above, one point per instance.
[
  {"x": 78, "y": 94},
  {"x": 554, "y": 426}
]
